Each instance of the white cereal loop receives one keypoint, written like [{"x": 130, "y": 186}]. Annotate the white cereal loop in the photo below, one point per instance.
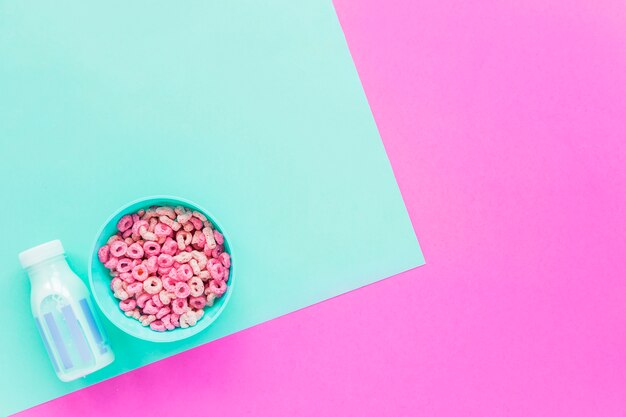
[
  {"x": 152, "y": 285},
  {"x": 210, "y": 239},
  {"x": 146, "y": 235},
  {"x": 166, "y": 211},
  {"x": 183, "y": 257},
  {"x": 199, "y": 215},
  {"x": 183, "y": 218},
  {"x": 152, "y": 224},
  {"x": 196, "y": 287},
  {"x": 150, "y": 213},
  {"x": 166, "y": 220},
  {"x": 194, "y": 266},
  {"x": 210, "y": 298}
]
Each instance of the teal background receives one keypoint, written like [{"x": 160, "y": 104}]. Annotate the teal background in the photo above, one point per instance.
[{"x": 251, "y": 109}]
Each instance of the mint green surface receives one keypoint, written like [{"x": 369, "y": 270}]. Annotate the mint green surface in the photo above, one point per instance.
[{"x": 251, "y": 109}]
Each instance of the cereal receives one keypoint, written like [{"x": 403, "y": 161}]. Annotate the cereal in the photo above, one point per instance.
[
  {"x": 135, "y": 251},
  {"x": 152, "y": 285},
  {"x": 124, "y": 265},
  {"x": 196, "y": 287},
  {"x": 128, "y": 304},
  {"x": 225, "y": 259},
  {"x": 125, "y": 223},
  {"x": 118, "y": 248},
  {"x": 167, "y": 265},
  {"x": 182, "y": 290},
  {"x": 157, "y": 325},
  {"x": 103, "y": 254},
  {"x": 161, "y": 229}
]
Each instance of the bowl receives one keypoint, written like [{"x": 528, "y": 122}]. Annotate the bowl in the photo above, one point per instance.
[{"x": 100, "y": 280}]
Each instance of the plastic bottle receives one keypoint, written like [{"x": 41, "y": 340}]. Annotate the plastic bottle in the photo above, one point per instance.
[{"x": 72, "y": 335}]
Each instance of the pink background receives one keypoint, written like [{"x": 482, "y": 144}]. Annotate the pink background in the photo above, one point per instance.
[{"x": 506, "y": 127}]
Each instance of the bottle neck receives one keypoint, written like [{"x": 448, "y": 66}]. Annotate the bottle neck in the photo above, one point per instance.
[{"x": 45, "y": 270}]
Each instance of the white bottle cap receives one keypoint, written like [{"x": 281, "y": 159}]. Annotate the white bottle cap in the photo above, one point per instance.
[{"x": 41, "y": 253}]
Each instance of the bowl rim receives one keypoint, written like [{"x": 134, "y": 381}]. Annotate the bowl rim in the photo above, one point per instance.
[{"x": 93, "y": 253}]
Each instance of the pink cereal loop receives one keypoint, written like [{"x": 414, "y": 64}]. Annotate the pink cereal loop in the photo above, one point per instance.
[
  {"x": 219, "y": 249},
  {"x": 217, "y": 272},
  {"x": 198, "y": 240},
  {"x": 169, "y": 247},
  {"x": 150, "y": 307},
  {"x": 165, "y": 261},
  {"x": 156, "y": 300},
  {"x": 118, "y": 248},
  {"x": 152, "y": 264},
  {"x": 219, "y": 238},
  {"x": 158, "y": 326},
  {"x": 151, "y": 248},
  {"x": 124, "y": 265},
  {"x": 174, "y": 319},
  {"x": 217, "y": 287},
  {"x": 167, "y": 321},
  {"x": 113, "y": 239},
  {"x": 162, "y": 229},
  {"x": 127, "y": 277},
  {"x": 139, "y": 225},
  {"x": 184, "y": 273},
  {"x": 134, "y": 251},
  {"x": 197, "y": 302},
  {"x": 103, "y": 253},
  {"x": 173, "y": 224},
  {"x": 225, "y": 259},
  {"x": 140, "y": 272},
  {"x": 152, "y": 224},
  {"x": 169, "y": 283},
  {"x": 128, "y": 305},
  {"x": 142, "y": 298},
  {"x": 179, "y": 305},
  {"x": 125, "y": 223},
  {"x": 196, "y": 222},
  {"x": 182, "y": 290},
  {"x": 163, "y": 311},
  {"x": 134, "y": 288},
  {"x": 152, "y": 285}
]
